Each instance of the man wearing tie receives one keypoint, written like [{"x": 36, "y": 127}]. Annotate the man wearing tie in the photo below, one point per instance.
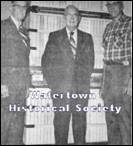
[
  {"x": 15, "y": 77},
  {"x": 67, "y": 63}
]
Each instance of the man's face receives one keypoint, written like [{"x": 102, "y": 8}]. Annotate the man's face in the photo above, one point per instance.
[
  {"x": 114, "y": 8},
  {"x": 19, "y": 10},
  {"x": 72, "y": 19}
]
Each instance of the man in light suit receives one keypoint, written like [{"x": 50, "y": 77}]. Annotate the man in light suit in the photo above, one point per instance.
[
  {"x": 15, "y": 77},
  {"x": 67, "y": 63}
]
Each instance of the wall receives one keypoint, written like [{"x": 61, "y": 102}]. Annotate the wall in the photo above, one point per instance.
[{"x": 5, "y": 5}]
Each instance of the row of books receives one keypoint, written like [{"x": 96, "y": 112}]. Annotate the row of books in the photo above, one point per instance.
[
  {"x": 58, "y": 4},
  {"x": 51, "y": 22},
  {"x": 97, "y": 6},
  {"x": 43, "y": 130},
  {"x": 47, "y": 23},
  {"x": 38, "y": 116},
  {"x": 45, "y": 134},
  {"x": 39, "y": 135},
  {"x": 40, "y": 97}
]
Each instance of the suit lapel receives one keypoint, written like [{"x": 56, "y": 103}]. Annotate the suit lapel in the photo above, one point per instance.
[
  {"x": 64, "y": 41},
  {"x": 13, "y": 27},
  {"x": 17, "y": 34},
  {"x": 80, "y": 42}
]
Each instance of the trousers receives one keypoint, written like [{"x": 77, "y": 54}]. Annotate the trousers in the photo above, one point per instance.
[
  {"x": 62, "y": 121},
  {"x": 12, "y": 122},
  {"x": 115, "y": 81}
]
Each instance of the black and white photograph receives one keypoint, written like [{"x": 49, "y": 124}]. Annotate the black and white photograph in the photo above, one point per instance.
[{"x": 66, "y": 72}]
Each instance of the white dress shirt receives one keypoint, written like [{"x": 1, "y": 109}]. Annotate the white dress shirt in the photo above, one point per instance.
[
  {"x": 74, "y": 35},
  {"x": 17, "y": 24}
]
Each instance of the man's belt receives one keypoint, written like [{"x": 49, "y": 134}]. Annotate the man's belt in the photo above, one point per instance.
[{"x": 112, "y": 62}]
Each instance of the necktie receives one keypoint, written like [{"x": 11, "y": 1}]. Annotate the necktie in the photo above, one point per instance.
[
  {"x": 73, "y": 44},
  {"x": 24, "y": 36}
]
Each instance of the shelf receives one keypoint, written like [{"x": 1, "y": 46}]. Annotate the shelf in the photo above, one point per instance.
[{"x": 60, "y": 11}]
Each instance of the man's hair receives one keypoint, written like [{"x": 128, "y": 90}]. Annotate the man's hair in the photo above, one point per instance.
[
  {"x": 71, "y": 7},
  {"x": 121, "y": 4},
  {"x": 13, "y": 2},
  {"x": 27, "y": 3}
]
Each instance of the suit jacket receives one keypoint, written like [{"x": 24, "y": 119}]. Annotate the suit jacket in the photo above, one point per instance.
[
  {"x": 62, "y": 72},
  {"x": 14, "y": 58}
]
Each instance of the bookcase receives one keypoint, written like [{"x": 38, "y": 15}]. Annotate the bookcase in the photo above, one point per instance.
[
  {"x": 47, "y": 16},
  {"x": 50, "y": 18}
]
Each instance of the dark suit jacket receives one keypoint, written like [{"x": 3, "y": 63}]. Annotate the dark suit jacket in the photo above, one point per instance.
[
  {"x": 61, "y": 71},
  {"x": 14, "y": 58}
]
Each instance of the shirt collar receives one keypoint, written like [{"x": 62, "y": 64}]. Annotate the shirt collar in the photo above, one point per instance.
[
  {"x": 17, "y": 24},
  {"x": 121, "y": 18},
  {"x": 68, "y": 32}
]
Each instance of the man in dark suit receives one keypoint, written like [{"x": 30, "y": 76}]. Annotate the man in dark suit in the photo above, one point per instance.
[
  {"x": 15, "y": 77},
  {"x": 67, "y": 64}
]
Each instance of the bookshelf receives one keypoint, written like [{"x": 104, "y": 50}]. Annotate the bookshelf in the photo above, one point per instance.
[{"x": 46, "y": 17}]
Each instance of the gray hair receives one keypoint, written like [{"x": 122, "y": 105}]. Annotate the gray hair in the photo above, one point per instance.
[
  {"x": 121, "y": 4},
  {"x": 27, "y": 3},
  {"x": 71, "y": 7}
]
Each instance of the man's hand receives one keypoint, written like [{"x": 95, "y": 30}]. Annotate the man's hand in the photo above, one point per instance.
[
  {"x": 4, "y": 91},
  {"x": 129, "y": 88}
]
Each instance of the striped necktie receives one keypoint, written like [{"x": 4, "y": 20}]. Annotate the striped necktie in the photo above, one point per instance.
[
  {"x": 24, "y": 36},
  {"x": 73, "y": 44}
]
